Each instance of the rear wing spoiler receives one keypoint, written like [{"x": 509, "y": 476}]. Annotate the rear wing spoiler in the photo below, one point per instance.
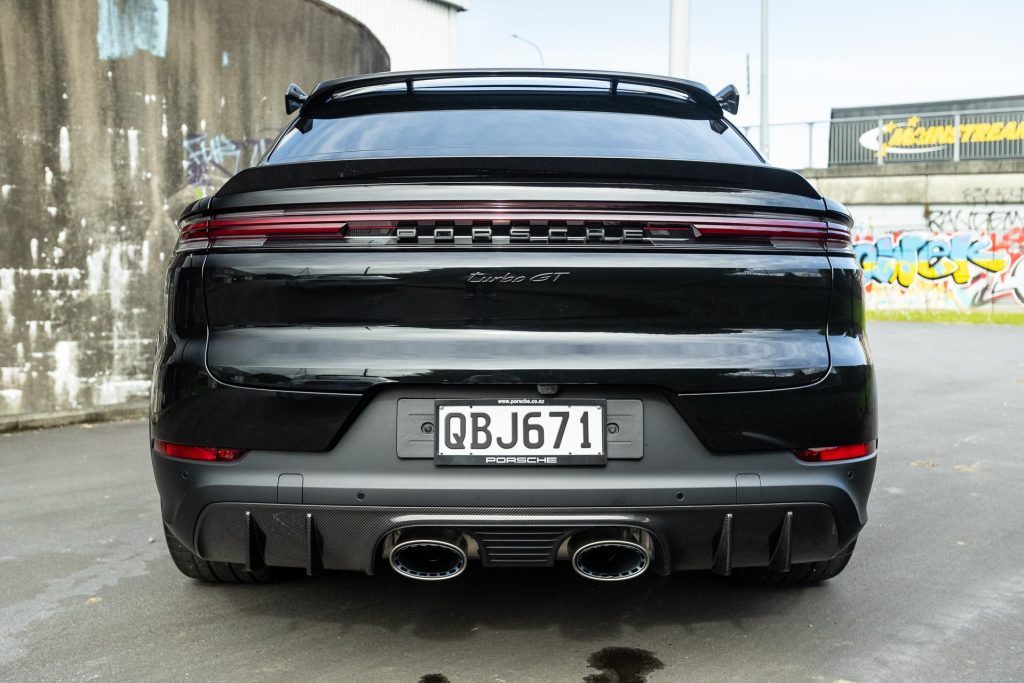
[
  {"x": 714, "y": 106},
  {"x": 662, "y": 172}
]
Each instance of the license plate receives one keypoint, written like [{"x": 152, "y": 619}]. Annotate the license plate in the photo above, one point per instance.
[{"x": 514, "y": 431}]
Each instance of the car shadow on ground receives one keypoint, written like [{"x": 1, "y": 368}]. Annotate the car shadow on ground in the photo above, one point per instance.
[{"x": 514, "y": 600}]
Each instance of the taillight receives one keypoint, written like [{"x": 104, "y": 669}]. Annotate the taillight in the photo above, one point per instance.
[
  {"x": 832, "y": 453},
  {"x": 741, "y": 229},
  {"x": 265, "y": 226},
  {"x": 186, "y": 452},
  {"x": 465, "y": 225}
]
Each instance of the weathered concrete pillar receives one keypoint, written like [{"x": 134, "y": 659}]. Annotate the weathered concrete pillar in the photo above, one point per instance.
[{"x": 113, "y": 114}]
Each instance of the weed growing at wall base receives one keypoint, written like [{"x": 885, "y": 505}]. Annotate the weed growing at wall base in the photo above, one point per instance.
[{"x": 966, "y": 317}]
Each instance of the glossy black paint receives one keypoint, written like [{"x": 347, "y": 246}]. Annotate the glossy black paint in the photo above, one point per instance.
[
  {"x": 346, "y": 320},
  {"x": 300, "y": 352},
  {"x": 694, "y": 92},
  {"x": 189, "y": 406},
  {"x": 661, "y": 195},
  {"x": 524, "y": 169},
  {"x": 313, "y": 334}
]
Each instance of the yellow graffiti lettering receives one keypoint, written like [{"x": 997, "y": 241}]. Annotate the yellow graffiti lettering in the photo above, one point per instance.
[
  {"x": 992, "y": 265},
  {"x": 1009, "y": 131},
  {"x": 905, "y": 272},
  {"x": 938, "y": 270},
  {"x": 958, "y": 257},
  {"x": 962, "y": 272}
]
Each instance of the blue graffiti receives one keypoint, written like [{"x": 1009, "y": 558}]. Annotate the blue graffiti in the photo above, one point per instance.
[
  {"x": 933, "y": 258},
  {"x": 218, "y": 154}
]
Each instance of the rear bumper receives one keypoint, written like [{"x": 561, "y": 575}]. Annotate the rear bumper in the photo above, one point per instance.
[
  {"x": 333, "y": 509},
  {"x": 718, "y": 538}
]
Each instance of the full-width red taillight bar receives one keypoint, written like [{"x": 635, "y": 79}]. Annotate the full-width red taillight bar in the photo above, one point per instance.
[
  {"x": 342, "y": 224},
  {"x": 833, "y": 453},
  {"x": 188, "y": 452}
]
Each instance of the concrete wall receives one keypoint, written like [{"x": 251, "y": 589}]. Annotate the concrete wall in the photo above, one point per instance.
[
  {"x": 943, "y": 237},
  {"x": 926, "y": 183},
  {"x": 960, "y": 258},
  {"x": 113, "y": 114}
]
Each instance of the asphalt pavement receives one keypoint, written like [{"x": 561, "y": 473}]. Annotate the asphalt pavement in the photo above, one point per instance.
[{"x": 935, "y": 590}]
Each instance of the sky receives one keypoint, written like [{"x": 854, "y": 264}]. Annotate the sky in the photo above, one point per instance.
[{"x": 821, "y": 54}]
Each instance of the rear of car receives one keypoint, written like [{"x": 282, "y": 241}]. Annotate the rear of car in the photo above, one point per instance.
[{"x": 513, "y": 318}]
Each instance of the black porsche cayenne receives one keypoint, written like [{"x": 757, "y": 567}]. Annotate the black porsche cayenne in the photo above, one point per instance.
[{"x": 513, "y": 318}]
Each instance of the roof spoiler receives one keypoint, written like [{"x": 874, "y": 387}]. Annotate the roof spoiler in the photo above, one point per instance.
[
  {"x": 661, "y": 172},
  {"x": 727, "y": 100}
]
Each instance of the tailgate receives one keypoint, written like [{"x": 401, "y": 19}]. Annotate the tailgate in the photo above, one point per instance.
[{"x": 691, "y": 304}]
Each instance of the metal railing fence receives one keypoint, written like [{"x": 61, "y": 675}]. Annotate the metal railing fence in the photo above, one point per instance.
[{"x": 900, "y": 138}]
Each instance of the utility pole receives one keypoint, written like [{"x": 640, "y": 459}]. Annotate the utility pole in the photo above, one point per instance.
[
  {"x": 679, "y": 38},
  {"x": 764, "y": 78}
]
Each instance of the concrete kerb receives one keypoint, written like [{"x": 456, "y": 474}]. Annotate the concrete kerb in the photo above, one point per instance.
[{"x": 124, "y": 411}]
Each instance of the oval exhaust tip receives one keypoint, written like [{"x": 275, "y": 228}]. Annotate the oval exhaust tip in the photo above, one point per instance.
[
  {"x": 428, "y": 559},
  {"x": 611, "y": 560}
]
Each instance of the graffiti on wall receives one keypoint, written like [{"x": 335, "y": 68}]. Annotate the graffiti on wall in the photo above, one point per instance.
[
  {"x": 953, "y": 258},
  {"x": 210, "y": 160}
]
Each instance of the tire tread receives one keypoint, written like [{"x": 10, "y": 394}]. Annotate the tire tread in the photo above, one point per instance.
[
  {"x": 804, "y": 574},
  {"x": 195, "y": 567}
]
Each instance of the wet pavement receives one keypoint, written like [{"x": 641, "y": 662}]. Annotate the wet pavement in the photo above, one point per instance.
[{"x": 935, "y": 590}]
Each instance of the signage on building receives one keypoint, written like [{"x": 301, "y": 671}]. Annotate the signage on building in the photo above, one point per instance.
[{"x": 959, "y": 130}]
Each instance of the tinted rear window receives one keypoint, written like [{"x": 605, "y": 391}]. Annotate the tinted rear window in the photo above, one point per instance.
[{"x": 517, "y": 132}]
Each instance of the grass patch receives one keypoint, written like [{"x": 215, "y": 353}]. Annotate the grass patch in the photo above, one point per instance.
[{"x": 983, "y": 317}]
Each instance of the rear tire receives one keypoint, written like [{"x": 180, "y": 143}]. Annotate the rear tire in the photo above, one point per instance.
[
  {"x": 195, "y": 567},
  {"x": 806, "y": 574}
]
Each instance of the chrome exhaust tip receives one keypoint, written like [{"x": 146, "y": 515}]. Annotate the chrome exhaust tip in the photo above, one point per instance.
[
  {"x": 619, "y": 556},
  {"x": 429, "y": 556}
]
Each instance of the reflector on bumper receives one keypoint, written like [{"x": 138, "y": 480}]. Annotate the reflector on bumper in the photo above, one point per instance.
[
  {"x": 831, "y": 453},
  {"x": 186, "y": 452}
]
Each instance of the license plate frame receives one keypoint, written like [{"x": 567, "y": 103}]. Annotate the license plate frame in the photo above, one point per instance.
[{"x": 596, "y": 455}]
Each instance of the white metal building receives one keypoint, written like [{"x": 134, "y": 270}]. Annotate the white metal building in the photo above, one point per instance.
[{"x": 418, "y": 34}]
